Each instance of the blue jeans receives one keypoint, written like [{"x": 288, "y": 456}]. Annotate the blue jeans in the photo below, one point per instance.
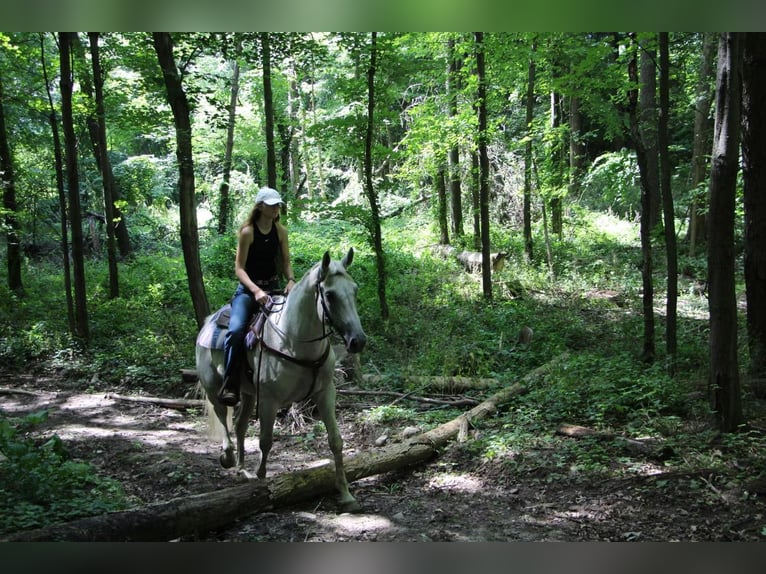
[{"x": 243, "y": 307}]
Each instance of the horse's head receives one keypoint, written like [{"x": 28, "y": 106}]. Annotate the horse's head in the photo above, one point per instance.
[{"x": 337, "y": 300}]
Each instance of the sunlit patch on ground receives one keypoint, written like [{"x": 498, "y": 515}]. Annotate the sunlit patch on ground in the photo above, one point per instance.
[{"x": 456, "y": 482}]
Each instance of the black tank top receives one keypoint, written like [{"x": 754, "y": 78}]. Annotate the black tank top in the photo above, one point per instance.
[{"x": 261, "y": 264}]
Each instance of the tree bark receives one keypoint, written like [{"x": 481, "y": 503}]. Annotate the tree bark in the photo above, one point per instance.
[
  {"x": 179, "y": 104},
  {"x": 223, "y": 200},
  {"x": 481, "y": 96},
  {"x": 646, "y": 208},
  {"x": 671, "y": 344},
  {"x": 453, "y": 85},
  {"x": 754, "y": 176},
  {"x": 7, "y": 182},
  {"x": 375, "y": 231},
  {"x": 724, "y": 376},
  {"x": 268, "y": 111},
  {"x": 59, "y": 169},
  {"x": 82, "y": 329},
  {"x": 106, "y": 167},
  {"x": 441, "y": 198},
  {"x": 701, "y": 145},
  {"x": 435, "y": 383},
  {"x": 530, "y": 109}
]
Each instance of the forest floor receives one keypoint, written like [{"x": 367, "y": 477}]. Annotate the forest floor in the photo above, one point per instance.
[{"x": 159, "y": 453}]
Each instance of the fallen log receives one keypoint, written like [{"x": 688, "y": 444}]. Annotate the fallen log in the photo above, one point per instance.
[
  {"x": 193, "y": 515},
  {"x": 434, "y": 383},
  {"x": 645, "y": 447},
  {"x": 453, "y": 402},
  {"x": 180, "y": 404}
]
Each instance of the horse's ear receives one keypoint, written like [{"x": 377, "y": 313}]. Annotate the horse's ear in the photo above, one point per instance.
[
  {"x": 349, "y": 257},
  {"x": 325, "y": 265}
]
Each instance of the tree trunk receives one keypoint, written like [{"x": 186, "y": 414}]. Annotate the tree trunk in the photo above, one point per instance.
[
  {"x": 646, "y": 207},
  {"x": 576, "y": 147},
  {"x": 268, "y": 112},
  {"x": 453, "y": 86},
  {"x": 671, "y": 344},
  {"x": 224, "y": 202},
  {"x": 59, "y": 169},
  {"x": 200, "y": 513},
  {"x": 70, "y": 145},
  {"x": 106, "y": 168},
  {"x": 7, "y": 182},
  {"x": 701, "y": 146},
  {"x": 481, "y": 96},
  {"x": 375, "y": 231},
  {"x": 530, "y": 109},
  {"x": 441, "y": 199},
  {"x": 120, "y": 230},
  {"x": 648, "y": 125},
  {"x": 476, "y": 196},
  {"x": 724, "y": 376},
  {"x": 163, "y": 45},
  {"x": 433, "y": 383},
  {"x": 754, "y": 176},
  {"x": 557, "y": 159}
]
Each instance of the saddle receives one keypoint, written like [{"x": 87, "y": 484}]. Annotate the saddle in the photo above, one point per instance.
[{"x": 257, "y": 321}]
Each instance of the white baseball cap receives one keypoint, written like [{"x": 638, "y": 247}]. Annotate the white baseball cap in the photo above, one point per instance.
[{"x": 268, "y": 196}]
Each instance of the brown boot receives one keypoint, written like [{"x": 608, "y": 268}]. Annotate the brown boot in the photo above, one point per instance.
[{"x": 229, "y": 394}]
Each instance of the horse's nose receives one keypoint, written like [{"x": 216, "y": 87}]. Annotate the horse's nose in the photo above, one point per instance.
[{"x": 355, "y": 343}]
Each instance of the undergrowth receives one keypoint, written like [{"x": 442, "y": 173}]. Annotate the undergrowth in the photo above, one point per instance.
[{"x": 585, "y": 302}]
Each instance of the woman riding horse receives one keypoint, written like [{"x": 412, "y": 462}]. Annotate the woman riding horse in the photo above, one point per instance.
[{"x": 262, "y": 240}]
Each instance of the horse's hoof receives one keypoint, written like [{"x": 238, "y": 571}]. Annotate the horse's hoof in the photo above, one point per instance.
[
  {"x": 350, "y": 506},
  {"x": 226, "y": 460},
  {"x": 247, "y": 474}
]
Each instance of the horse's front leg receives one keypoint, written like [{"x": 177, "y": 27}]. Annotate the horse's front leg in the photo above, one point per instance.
[
  {"x": 227, "y": 447},
  {"x": 244, "y": 412},
  {"x": 267, "y": 415},
  {"x": 325, "y": 402}
]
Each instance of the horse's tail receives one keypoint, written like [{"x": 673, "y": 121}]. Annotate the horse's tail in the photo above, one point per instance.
[{"x": 213, "y": 427}]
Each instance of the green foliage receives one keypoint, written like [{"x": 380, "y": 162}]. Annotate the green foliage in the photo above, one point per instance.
[
  {"x": 613, "y": 183},
  {"x": 40, "y": 484}
]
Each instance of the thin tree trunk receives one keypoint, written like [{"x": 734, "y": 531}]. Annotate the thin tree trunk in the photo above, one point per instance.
[
  {"x": 671, "y": 344},
  {"x": 268, "y": 112},
  {"x": 530, "y": 109},
  {"x": 372, "y": 196},
  {"x": 648, "y": 125},
  {"x": 481, "y": 96},
  {"x": 7, "y": 182},
  {"x": 441, "y": 198},
  {"x": 179, "y": 104},
  {"x": 224, "y": 201},
  {"x": 70, "y": 145},
  {"x": 576, "y": 147},
  {"x": 645, "y": 227},
  {"x": 59, "y": 168},
  {"x": 724, "y": 375},
  {"x": 106, "y": 170},
  {"x": 754, "y": 176},
  {"x": 701, "y": 147},
  {"x": 120, "y": 229},
  {"x": 476, "y": 195},
  {"x": 453, "y": 85}
]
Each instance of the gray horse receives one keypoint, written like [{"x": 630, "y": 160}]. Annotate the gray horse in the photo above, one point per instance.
[{"x": 292, "y": 361}]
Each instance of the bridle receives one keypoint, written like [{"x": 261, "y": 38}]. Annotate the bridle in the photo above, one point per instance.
[{"x": 315, "y": 364}]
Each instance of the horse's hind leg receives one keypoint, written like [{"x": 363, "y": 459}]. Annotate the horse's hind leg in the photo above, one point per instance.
[
  {"x": 227, "y": 447},
  {"x": 325, "y": 402}
]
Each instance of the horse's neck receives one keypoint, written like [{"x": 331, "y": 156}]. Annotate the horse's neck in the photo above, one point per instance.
[{"x": 299, "y": 317}]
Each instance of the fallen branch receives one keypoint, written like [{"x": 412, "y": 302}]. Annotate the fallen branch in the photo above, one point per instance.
[
  {"x": 193, "y": 515},
  {"x": 9, "y": 391},
  {"x": 180, "y": 404},
  {"x": 456, "y": 402}
]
